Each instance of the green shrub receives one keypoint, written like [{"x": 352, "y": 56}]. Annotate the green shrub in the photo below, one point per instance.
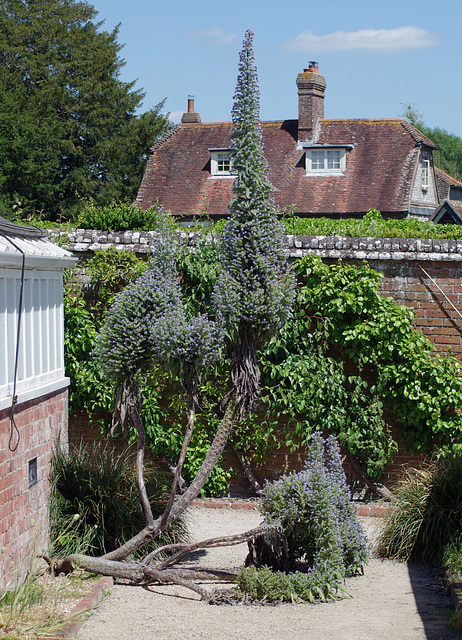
[
  {"x": 425, "y": 523},
  {"x": 94, "y": 504},
  {"x": 371, "y": 225},
  {"x": 121, "y": 216},
  {"x": 320, "y": 542}
]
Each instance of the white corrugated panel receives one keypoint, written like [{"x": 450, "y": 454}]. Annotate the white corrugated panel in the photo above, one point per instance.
[{"x": 40, "y": 356}]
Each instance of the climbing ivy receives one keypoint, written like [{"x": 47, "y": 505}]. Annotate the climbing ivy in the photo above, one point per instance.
[
  {"x": 346, "y": 362},
  {"x": 357, "y": 354}
]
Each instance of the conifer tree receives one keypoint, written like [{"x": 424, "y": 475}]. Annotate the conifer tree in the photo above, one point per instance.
[{"x": 69, "y": 128}]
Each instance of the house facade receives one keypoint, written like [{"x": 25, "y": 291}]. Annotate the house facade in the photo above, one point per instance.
[
  {"x": 318, "y": 166},
  {"x": 33, "y": 389}
]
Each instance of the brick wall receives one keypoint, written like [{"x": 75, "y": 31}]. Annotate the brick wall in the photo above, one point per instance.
[
  {"x": 434, "y": 290},
  {"x": 39, "y": 423},
  {"x": 423, "y": 274}
]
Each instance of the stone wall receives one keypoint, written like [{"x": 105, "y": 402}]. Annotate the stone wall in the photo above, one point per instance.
[
  {"x": 23, "y": 497},
  {"x": 423, "y": 274}
]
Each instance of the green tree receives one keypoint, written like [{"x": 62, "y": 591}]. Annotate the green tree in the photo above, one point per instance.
[
  {"x": 448, "y": 155},
  {"x": 68, "y": 125}
]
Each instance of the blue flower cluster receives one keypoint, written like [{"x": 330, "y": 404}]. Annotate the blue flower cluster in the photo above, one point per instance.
[
  {"x": 321, "y": 526},
  {"x": 148, "y": 324},
  {"x": 255, "y": 289}
]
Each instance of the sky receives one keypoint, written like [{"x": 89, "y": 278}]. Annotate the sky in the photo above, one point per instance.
[{"x": 376, "y": 57}]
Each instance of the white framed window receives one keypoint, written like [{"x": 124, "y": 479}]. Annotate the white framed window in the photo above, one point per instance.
[
  {"x": 425, "y": 173},
  {"x": 220, "y": 163},
  {"x": 325, "y": 161},
  {"x": 223, "y": 163}
]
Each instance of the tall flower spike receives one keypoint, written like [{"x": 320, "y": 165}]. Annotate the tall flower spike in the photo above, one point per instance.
[{"x": 255, "y": 289}]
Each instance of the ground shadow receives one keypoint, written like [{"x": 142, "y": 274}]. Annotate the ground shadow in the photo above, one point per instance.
[{"x": 433, "y": 602}]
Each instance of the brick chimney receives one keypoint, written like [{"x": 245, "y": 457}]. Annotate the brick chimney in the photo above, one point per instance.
[
  {"x": 311, "y": 87},
  {"x": 190, "y": 116}
]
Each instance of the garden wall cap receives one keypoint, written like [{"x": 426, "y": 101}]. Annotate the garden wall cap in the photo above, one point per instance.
[{"x": 334, "y": 247}]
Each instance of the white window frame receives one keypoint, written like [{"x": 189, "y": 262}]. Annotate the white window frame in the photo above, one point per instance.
[
  {"x": 425, "y": 182},
  {"x": 221, "y": 165},
  {"x": 322, "y": 161}
]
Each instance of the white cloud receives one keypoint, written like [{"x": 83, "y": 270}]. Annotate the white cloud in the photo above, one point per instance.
[
  {"x": 215, "y": 37},
  {"x": 366, "y": 39}
]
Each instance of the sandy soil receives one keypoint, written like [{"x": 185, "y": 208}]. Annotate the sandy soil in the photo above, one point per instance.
[{"x": 392, "y": 601}]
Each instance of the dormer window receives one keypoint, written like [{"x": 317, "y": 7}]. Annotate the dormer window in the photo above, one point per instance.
[
  {"x": 455, "y": 193},
  {"x": 325, "y": 160},
  {"x": 220, "y": 163}
]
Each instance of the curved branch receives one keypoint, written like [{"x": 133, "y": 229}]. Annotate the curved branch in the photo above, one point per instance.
[
  {"x": 249, "y": 474},
  {"x": 216, "y": 448},
  {"x": 138, "y": 424},
  {"x": 224, "y": 541},
  {"x": 191, "y": 412}
]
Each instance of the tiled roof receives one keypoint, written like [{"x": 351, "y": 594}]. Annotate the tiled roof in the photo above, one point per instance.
[
  {"x": 379, "y": 170},
  {"x": 443, "y": 182}
]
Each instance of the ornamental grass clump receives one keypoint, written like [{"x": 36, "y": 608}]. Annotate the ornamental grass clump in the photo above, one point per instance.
[
  {"x": 320, "y": 541},
  {"x": 95, "y": 505},
  {"x": 425, "y": 523}
]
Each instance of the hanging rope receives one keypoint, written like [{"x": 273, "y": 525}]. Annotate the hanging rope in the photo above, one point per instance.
[
  {"x": 15, "y": 435},
  {"x": 442, "y": 292}
]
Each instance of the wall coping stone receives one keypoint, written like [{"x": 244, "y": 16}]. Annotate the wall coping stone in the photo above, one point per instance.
[{"x": 334, "y": 247}]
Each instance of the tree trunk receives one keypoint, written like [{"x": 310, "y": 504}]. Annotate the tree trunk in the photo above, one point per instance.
[{"x": 151, "y": 531}]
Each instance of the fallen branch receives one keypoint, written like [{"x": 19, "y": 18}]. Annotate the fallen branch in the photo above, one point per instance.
[
  {"x": 142, "y": 572},
  {"x": 224, "y": 541}
]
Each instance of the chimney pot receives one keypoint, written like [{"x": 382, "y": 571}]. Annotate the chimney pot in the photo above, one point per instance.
[
  {"x": 313, "y": 66},
  {"x": 190, "y": 117}
]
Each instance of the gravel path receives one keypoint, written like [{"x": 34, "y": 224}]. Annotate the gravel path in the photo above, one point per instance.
[{"x": 392, "y": 601}]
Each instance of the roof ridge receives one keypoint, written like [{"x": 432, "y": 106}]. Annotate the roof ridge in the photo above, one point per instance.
[
  {"x": 417, "y": 135},
  {"x": 450, "y": 178},
  {"x": 165, "y": 137},
  {"x": 361, "y": 119}
]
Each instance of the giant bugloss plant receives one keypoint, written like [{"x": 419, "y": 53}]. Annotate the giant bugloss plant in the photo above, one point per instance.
[
  {"x": 255, "y": 287},
  {"x": 149, "y": 325},
  {"x": 322, "y": 539}
]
